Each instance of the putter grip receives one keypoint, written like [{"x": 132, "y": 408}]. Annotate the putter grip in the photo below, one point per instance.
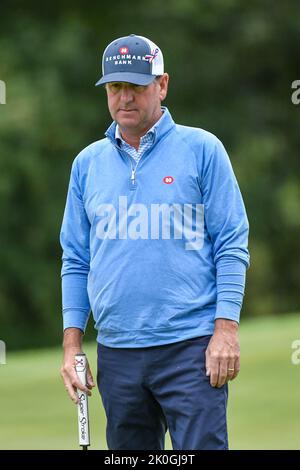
[{"x": 83, "y": 411}]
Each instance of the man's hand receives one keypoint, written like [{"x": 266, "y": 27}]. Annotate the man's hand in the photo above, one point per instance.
[
  {"x": 223, "y": 353},
  {"x": 72, "y": 346}
]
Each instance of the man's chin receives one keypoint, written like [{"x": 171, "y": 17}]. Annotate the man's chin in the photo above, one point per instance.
[{"x": 129, "y": 122}]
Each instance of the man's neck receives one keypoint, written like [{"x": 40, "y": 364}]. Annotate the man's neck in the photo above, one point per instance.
[{"x": 133, "y": 137}]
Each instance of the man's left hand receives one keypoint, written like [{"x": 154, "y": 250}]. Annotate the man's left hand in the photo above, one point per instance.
[{"x": 223, "y": 353}]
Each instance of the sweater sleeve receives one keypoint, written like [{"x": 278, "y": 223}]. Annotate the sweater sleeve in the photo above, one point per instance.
[
  {"x": 228, "y": 228},
  {"x": 75, "y": 240}
]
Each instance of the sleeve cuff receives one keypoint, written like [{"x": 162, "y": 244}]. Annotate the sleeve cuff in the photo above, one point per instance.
[
  {"x": 228, "y": 310},
  {"x": 75, "y": 318}
]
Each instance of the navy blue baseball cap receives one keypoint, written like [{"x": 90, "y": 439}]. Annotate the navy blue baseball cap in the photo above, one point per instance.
[{"x": 132, "y": 59}]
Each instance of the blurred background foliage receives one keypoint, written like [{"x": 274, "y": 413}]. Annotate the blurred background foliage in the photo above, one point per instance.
[{"x": 231, "y": 65}]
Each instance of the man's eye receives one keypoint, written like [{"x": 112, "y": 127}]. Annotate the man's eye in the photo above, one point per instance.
[
  {"x": 114, "y": 87},
  {"x": 139, "y": 88}
]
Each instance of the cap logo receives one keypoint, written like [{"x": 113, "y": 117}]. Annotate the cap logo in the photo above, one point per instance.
[
  {"x": 151, "y": 57},
  {"x": 124, "y": 50}
]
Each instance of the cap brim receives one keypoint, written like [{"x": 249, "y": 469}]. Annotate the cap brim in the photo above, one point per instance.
[{"x": 128, "y": 77}]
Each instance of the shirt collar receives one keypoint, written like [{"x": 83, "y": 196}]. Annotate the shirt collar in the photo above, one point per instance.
[{"x": 163, "y": 126}]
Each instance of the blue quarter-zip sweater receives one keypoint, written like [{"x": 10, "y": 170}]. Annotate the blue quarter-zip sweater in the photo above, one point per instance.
[{"x": 159, "y": 255}]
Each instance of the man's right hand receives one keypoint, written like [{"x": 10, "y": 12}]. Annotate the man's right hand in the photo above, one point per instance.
[{"x": 73, "y": 345}]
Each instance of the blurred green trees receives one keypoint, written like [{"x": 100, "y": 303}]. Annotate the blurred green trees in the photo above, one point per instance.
[{"x": 231, "y": 66}]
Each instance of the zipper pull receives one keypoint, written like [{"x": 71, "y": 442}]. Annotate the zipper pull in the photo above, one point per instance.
[
  {"x": 132, "y": 181},
  {"x": 132, "y": 176}
]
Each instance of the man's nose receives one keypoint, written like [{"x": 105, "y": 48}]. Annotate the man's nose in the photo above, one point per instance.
[{"x": 126, "y": 93}]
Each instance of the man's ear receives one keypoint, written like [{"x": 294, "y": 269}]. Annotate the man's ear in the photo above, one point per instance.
[{"x": 163, "y": 82}]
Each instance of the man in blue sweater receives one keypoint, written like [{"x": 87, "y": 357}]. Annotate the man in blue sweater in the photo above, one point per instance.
[{"x": 154, "y": 240}]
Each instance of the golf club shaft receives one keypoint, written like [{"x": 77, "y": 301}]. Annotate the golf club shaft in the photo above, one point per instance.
[{"x": 83, "y": 411}]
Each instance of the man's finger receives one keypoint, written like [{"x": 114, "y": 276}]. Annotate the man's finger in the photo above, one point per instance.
[
  {"x": 236, "y": 368},
  {"x": 72, "y": 393},
  {"x": 214, "y": 374},
  {"x": 230, "y": 370},
  {"x": 90, "y": 379},
  {"x": 90, "y": 382},
  {"x": 212, "y": 368},
  {"x": 77, "y": 384},
  {"x": 222, "y": 379},
  {"x": 71, "y": 379},
  {"x": 68, "y": 385}
]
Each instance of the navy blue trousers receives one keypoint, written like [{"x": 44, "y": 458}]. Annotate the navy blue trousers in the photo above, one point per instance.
[{"x": 146, "y": 391}]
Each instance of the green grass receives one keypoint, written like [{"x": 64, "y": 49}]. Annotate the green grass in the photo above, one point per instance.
[{"x": 264, "y": 405}]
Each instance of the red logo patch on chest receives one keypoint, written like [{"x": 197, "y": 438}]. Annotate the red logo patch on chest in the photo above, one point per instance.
[{"x": 168, "y": 179}]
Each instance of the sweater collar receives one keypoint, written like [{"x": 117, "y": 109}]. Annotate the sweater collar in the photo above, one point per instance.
[{"x": 160, "y": 128}]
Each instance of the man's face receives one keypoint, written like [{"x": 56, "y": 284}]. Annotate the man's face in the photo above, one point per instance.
[{"x": 135, "y": 107}]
